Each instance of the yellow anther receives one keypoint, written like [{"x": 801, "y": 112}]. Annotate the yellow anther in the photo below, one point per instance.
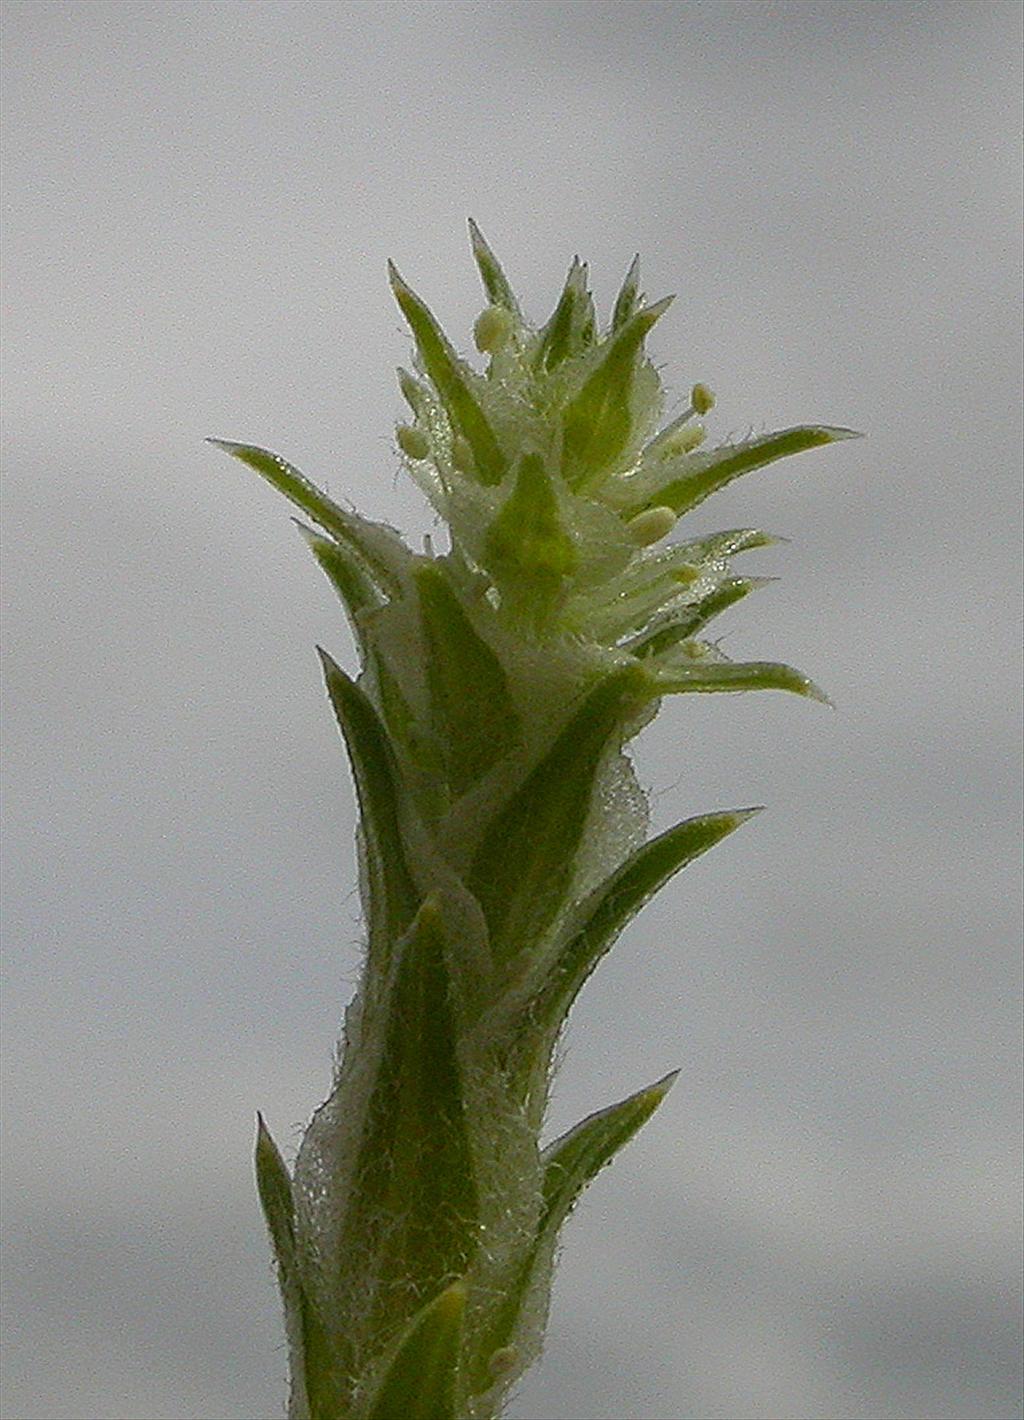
[
  {"x": 651, "y": 525},
  {"x": 413, "y": 442},
  {"x": 492, "y": 329},
  {"x": 701, "y": 399}
]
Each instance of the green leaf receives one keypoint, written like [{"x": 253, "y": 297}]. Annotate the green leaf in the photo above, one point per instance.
[
  {"x": 573, "y": 1160},
  {"x": 597, "y": 421},
  {"x": 421, "y": 1378},
  {"x": 521, "y": 891},
  {"x": 412, "y": 1216},
  {"x": 611, "y": 906},
  {"x": 414, "y": 394},
  {"x": 707, "y": 473},
  {"x": 474, "y": 719},
  {"x": 310, "y": 1357},
  {"x": 274, "y": 1186},
  {"x": 629, "y": 296},
  {"x": 691, "y": 619},
  {"x": 733, "y": 676},
  {"x": 393, "y": 894},
  {"x": 569, "y": 1164},
  {"x": 496, "y": 285},
  {"x": 383, "y": 552},
  {"x": 453, "y": 382},
  {"x": 347, "y": 575},
  {"x": 528, "y": 548}
]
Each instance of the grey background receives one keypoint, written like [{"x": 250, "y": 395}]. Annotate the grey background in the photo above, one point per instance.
[{"x": 823, "y": 1220}]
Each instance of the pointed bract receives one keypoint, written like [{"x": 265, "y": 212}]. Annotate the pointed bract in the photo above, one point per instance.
[
  {"x": 452, "y": 379},
  {"x": 379, "y": 547},
  {"x": 565, "y": 333},
  {"x": 528, "y": 548},
  {"x": 611, "y": 906},
  {"x": 348, "y": 576},
  {"x": 707, "y": 473},
  {"x": 733, "y": 676},
  {"x": 474, "y": 720},
  {"x": 521, "y": 892},
  {"x": 413, "y": 1214},
  {"x": 629, "y": 296},
  {"x": 309, "y": 1350},
  {"x": 597, "y": 422},
  {"x": 394, "y": 895},
  {"x": 420, "y": 1380},
  {"x": 496, "y": 284},
  {"x": 572, "y": 1161},
  {"x": 691, "y": 619}
]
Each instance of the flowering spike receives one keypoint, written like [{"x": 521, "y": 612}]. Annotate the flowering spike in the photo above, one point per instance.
[{"x": 502, "y": 834}]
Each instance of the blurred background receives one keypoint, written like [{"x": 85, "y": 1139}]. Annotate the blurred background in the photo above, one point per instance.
[{"x": 824, "y": 1218}]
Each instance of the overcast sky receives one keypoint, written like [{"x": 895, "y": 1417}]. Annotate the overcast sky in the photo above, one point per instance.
[{"x": 824, "y": 1218}]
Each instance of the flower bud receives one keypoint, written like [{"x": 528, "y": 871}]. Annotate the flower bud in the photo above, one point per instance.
[
  {"x": 651, "y": 525},
  {"x": 412, "y": 441}
]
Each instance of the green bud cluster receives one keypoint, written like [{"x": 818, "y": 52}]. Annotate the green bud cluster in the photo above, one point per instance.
[{"x": 502, "y": 835}]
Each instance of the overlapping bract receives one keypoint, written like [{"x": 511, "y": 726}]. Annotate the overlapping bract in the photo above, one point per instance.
[{"x": 501, "y": 834}]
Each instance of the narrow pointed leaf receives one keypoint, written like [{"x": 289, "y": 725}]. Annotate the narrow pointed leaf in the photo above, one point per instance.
[
  {"x": 629, "y": 296},
  {"x": 347, "y": 575},
  {"x": 381, "y": 549},
  {"x": 309, "y": 1358},
  {"x": 453, "y": 382},
  {"x": 688, "y": 621},
  {"x": 569, "y": 1164},
  {"x": 274, "y": 1186},
  {"x": 611, "y": 906},
  {"x": 421, "y": 1379},
  {"x": 707, "y": 473},
  {"x": 496, "y": 284},
  {"x": 573, "y": 1160},
  {"x": 394, "y": 897},
  {"x": 727, "y": 544},
  {"x": 597, "y": 421},
  {"x": 734, "y": 676},
  {"x": 521, "y": 892},
  {"x": 412, "y": 1217},
  {"x": 474, "y": 719}
]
